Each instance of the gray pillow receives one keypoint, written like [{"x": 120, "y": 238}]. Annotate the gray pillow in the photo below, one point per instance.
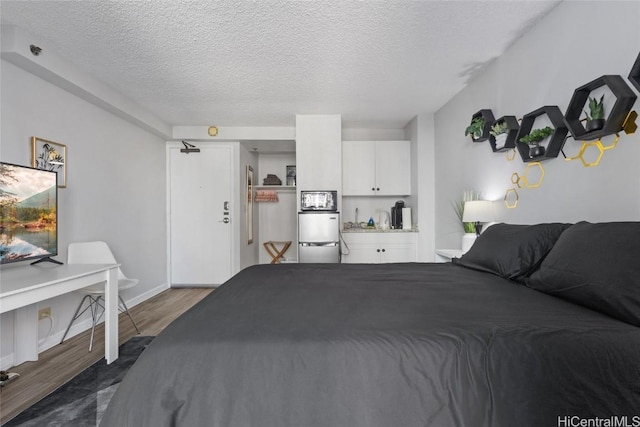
[
  {"x": 596, "y": 266},
  {"x": 512, "y": 251}
]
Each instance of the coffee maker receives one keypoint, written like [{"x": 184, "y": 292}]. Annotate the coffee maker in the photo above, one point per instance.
[{"x": 396, "y": 215}]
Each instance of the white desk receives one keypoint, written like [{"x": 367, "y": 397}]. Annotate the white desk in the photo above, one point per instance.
[{"x": 21, "y": 288}]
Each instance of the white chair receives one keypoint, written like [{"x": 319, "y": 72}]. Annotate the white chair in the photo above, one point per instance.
[{"x": 97, "y": 253}]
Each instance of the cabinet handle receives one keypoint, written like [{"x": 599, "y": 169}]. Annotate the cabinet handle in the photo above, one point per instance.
[
  {"x": 373, "y": 189},
  {"x": 377, "y": 250},
  {"x": 377, "y": 189},
  {"x": 383, "y": 250}
]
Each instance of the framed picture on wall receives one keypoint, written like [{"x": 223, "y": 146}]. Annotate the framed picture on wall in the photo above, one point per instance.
[
  {"x": 291, "y": 175},
  {"x": 51, "y": 156},
  {"x": 248, "y": 211}
]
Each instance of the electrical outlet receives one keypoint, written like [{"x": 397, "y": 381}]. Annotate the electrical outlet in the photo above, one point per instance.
[{"x": 43, "y": 313}]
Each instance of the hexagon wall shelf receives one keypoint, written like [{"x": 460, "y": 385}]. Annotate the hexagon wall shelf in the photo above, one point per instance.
[
  {"x": 625, "y": 98},
  {"x": 557, "y": 138},
  {"x": 528, "y": 179},
  {"x": 634, "y": 75},
  {"x": 512, "y": 133},
  {"x": 487, "y": 115},
  {"x": 593, "y": 156},
  {"x": 511, "y": 198}
]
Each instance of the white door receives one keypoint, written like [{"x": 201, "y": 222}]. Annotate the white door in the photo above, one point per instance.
[
  {"x": 319, "y": 227},
  {"x": 200, "y": 216}
]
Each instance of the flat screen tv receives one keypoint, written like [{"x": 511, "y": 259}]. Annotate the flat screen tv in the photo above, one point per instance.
[{"x": 28, "y": 214}]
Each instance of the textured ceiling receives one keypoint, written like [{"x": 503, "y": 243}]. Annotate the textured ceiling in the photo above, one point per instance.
[{"x": 241, "y": 63}]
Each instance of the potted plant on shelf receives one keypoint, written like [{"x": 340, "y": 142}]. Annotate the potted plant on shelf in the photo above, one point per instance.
[
  {"x": 475, "y": 128},
  {"x": 595, "y": 121},
  {"x": 499, "y": 132},
  {"x": 534, "y": 138}
]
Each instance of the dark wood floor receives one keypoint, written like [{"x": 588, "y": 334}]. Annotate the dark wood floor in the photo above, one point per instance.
[{"x": 59, "y": 364}]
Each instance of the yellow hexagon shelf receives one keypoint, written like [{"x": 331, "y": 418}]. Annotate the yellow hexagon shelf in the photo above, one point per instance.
[
  {"x": 610, "y": 146},
  {"x": 583, "y": 151},
  {"x": 515, "y": 179},
  {"x": 527, "y": 170},
  {"x": 629, "y": 126},
  {"x": 572, "y": 151},
  {"x": 511, "y": 198},
  {"x": 510, "y": 155}
]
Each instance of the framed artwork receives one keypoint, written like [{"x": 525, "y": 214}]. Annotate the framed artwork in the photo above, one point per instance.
[
  {"x": 291, "y": 175},
  {"x": 248, "y": 212},
  {"x": 51, "y": 156}
]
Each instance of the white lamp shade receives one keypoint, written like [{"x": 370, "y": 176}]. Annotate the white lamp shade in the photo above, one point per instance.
[{"x": 477, "y": 211}]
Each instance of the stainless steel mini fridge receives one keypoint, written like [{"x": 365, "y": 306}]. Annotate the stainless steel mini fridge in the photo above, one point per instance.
[{"x": 318, "y": 237}]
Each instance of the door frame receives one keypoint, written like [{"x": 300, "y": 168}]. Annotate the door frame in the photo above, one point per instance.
[{"x": 235, "y": 190}]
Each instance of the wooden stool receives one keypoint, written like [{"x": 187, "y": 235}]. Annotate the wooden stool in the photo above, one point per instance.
[{"x": 272, "y": 249}]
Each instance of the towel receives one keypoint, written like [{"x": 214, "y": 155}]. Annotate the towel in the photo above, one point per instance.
[{"x": 266, "y": 196}]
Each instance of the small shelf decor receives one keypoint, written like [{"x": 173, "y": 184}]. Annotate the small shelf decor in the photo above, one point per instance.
[
  {"x": 534, "y": 138},
  {"x": 506, "y": 129},
  {"x": 557, "y": 134},
  {"x": 480, "y": 126},
  {"x": 595, "y": 117},
  {"x": 582, "y": 102},
  {"x": 634, "y": 75}
]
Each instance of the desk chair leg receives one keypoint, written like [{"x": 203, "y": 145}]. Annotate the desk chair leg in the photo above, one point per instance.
[
  {"x": 75, "y": 316},
  {"x": 95, "y": 303},
  {"x": 126, "y": 310}
]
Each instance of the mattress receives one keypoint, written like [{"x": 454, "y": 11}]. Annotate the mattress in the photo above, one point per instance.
[{"x": 415, "y": 344}]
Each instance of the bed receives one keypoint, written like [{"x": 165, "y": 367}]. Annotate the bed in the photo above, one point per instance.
[{"x": 535, "y": 324}]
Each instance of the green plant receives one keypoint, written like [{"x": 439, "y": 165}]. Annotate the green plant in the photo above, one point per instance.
[
  {"x": 596, "y": 108},
  {"x": 458, "y": 207},
  {"x": 537, "y": 135},
  {"x": 475, "y": 128},
  {"x": 498, "y": 128}
]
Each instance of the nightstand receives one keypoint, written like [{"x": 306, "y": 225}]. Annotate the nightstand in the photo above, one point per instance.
[{"x": 445, "y": 255}]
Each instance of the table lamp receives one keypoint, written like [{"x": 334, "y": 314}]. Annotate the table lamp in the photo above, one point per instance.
[{"x": 478, "y": 212}]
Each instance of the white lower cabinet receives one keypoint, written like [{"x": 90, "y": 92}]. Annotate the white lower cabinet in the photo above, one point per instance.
[{"x": 382, "y": 247}]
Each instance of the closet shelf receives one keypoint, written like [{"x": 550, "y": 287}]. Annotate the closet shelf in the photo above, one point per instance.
[{"x": 275, "y": 187}]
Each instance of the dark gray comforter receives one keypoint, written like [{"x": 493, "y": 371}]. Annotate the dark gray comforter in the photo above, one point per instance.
[{"x": 309, "y": 345}]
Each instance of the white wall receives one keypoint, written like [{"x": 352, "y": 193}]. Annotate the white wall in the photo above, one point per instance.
[
  {"x": 420, "y": 131},
  {"x": 575, "y": 44},
  {"x": 115, "y": 186},
  {"x": 319, "y": 153}
]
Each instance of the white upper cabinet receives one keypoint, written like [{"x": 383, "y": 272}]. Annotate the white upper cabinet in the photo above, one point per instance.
[{"x": 376, "y": 168}]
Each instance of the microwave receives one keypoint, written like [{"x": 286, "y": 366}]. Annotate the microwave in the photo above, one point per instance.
[{"x": 319, "y": 200}]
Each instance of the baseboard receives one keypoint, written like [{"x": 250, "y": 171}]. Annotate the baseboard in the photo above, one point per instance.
[
  {"x": 6, "y": 362},
  {"x": 79, "y": 327},
  {"x": 132, "y": 302}
]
